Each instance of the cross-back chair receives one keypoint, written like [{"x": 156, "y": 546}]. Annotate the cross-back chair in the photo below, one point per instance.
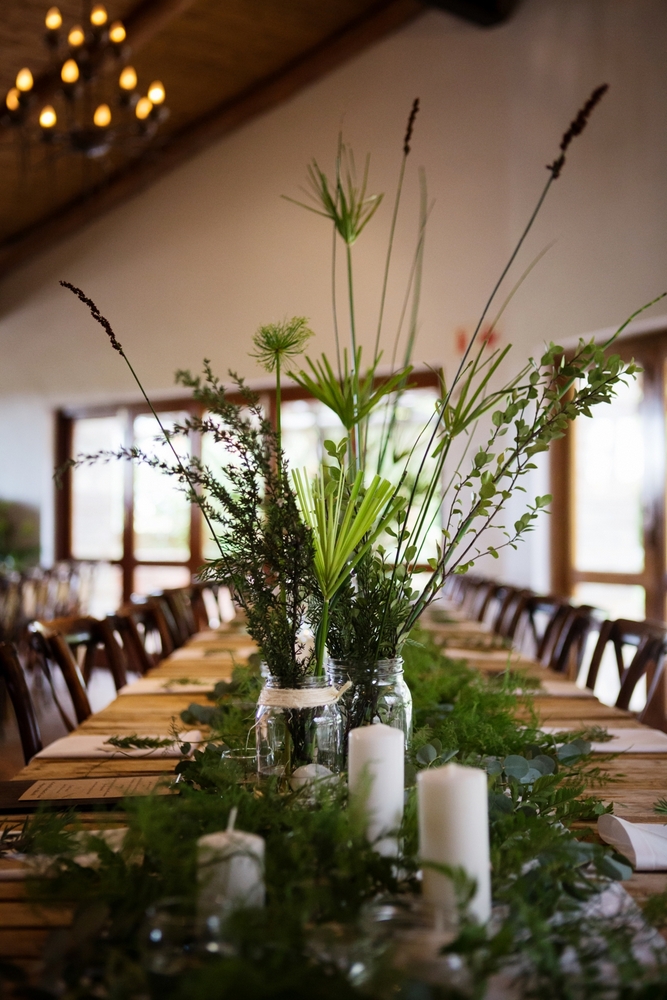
[
  {"x": 565, "y": 643},
  {"x": 52, "y": 648},
  {"x": 11, "y": 672},
  {"x": 648, "y": 640},
  {"x": 180, "y": 606},
  {"x": 95, "y": 638}
]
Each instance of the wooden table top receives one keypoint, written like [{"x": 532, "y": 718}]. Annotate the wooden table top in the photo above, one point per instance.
[{"x": 637, "y": 779}]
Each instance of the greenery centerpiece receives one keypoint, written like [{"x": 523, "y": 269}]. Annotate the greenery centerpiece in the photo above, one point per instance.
[{"x": 344, "y": 556}]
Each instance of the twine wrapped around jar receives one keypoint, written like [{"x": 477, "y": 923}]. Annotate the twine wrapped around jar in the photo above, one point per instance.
[{"x": 275, "y": 697}]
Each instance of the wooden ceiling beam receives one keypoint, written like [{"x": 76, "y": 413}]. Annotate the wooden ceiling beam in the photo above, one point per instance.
[{"x": 385, "y": 17}]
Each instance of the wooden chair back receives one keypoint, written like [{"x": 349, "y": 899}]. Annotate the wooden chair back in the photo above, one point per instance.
[
  {"x": 135, "y": 623},
  {"x": 152, "y": 616},
  {"x": 180, "y": 606},
  {"x": 545, "y": 617},
  {"x": 99, "y": 644},
  {"x": 11, "y": 672},
  {"x": 198, "y": 604},
  {"x": 512, "y": 612},
  {"x": 648, "y": 640},
  {"x": 51, "y": 647},
  {"x": 564, "y": 652}
]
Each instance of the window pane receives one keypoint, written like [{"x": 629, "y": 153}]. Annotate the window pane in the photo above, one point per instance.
[
  {"x": 150, "y": 578},
  {"x": 161, "y": 510},
  {"x": 614, "y": 600},
  {"x": 608, "y": 476},
  {"x": 97, "y": 491},
  {"x": 306, "y": 425},
  {"x": 106, "y": 594}
]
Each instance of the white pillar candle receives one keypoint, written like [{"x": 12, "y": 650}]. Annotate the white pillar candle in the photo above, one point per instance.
[
  {"x": 376, "y": 771},
  {"x": 454, "y": 830},
  {"x": 230, "y": 871}
]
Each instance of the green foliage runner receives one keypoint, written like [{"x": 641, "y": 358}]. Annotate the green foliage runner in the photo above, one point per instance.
[{"x": 314, "y": 937}]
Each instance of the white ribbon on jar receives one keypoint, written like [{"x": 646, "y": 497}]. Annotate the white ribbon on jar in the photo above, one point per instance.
[{"x": 301, "y": 697}]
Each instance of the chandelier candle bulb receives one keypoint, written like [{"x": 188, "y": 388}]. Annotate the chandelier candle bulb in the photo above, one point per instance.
[
  {"x": 13, "y": 99},
  {"x": 117, "y": 33},
  {"x": 70, "y": 72},
  {"x": 376, "y": 775},
  {"x": 48, "y": 118},
  {"x": 128, "y": 78},
  {"x": 143, "y": 108},
  {"x": 156, "y": 92},
  {"x": 76, "y": 37},
  {"x": 454, "y": 830},
  {"x": 98, "y": 15},
  {"x": 53, "y": 19},
  {"x": 230, "y": 872},
  {"x": 102, "y": 116},
  {"x": 24, "y": 80}
]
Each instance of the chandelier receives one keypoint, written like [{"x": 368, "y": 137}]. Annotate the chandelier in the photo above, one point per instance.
[{"x": 73, "y": 108}]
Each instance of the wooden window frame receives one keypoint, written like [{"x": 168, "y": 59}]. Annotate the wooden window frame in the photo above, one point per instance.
[
  {"x": 650, "y": 352},
  {"x": 64, "y": 435}
]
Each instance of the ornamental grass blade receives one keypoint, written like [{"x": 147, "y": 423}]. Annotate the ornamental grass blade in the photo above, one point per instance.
[{"x": 344, "y": 527}]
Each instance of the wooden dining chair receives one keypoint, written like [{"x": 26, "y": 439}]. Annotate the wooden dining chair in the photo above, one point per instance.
[
  {"x": 129, "y": 623},
  {"x": 198, "y": 605},
  {"x": 152, "y": 617},
  {"x": 95, "y": 638},
  {"x": 180, "y": 606},
  {"x": 512, "y": 613},
  {"x": 51, "y": 649},
  {"x": 566, "y": 643},
  {"x": 647, "y": 638},
  {"x": 546, "y": 616},
  {"x": 11, "y": 672}
]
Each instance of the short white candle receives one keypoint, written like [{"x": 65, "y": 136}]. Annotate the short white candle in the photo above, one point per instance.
[
  {"x": 376, "y": 771},
  {"x": 230, "y": 871},
  {"x": 309, "y": 774},
  {"x": 454, "y": 830}
]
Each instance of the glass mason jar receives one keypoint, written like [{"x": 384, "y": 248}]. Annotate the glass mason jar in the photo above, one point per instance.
[
  {"x": 298, "y": 726},
  {"x": 378, "y": 693}
]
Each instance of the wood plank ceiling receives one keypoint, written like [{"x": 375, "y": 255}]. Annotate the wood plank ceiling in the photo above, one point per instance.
[{"x": 220, "y": 61}]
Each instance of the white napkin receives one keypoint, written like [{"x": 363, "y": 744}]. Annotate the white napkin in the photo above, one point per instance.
[
  {"x": 643, "y": 844},
  {"x": 630, "y": 740},
  {"x": 167, "y": 685},
  {"x": 76, "y": 747}
]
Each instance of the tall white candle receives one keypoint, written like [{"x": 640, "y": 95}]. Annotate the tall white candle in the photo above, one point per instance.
[
  {"x": 230, "y": 872},
  {"x": 376, "y": 771},
  {"x": 454, "y": 830}
]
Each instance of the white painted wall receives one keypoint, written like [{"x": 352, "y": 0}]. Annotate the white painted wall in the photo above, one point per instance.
[{"x": 191, "y": 267}]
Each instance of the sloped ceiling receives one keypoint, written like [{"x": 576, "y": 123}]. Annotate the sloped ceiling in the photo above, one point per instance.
[{"x": 221, "y": 62}]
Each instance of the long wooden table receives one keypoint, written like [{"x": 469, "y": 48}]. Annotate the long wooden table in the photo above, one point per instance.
[{"x": 637, "y": 779}]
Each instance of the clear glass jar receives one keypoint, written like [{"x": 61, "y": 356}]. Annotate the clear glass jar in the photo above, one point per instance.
[
  {"x": 298, "y": 726},
  {"x": 379, "y": 693}
]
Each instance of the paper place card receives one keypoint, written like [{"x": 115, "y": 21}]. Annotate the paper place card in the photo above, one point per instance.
[
  {"x": 88, "y": 747},
  {"x": 168, "y": 685},
  {"x": 630, "y": 740},
  {"x": 59, "y": 789},
  {"x": 643, "y": 844}
]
